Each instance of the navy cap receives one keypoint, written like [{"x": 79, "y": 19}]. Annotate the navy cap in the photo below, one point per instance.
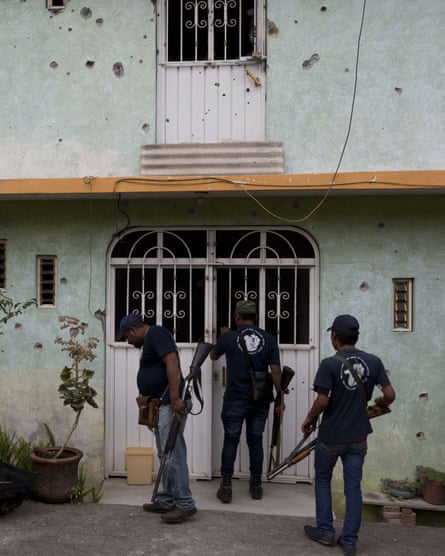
[
  {"x": 246, "y": 307},
  {"x": 345, "y": 325},
  {"x": 127, "y": 322}
]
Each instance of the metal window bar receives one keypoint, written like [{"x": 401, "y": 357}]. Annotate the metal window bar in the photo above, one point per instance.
[
  {"x": 47, "y": 281},
  {"x": 218, "y": 29},
  {"x": 2, "y": 263}
]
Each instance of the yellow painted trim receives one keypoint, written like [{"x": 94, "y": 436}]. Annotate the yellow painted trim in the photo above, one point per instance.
[{"x": 395, "y": 181}]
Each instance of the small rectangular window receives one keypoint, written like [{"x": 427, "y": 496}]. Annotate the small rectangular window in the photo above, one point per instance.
[
  {"x": 46, "y": 268},
  {"x": 55, "y": 4},
  {"x": 403, "y": 304},
  {"x": 3, "y": 263}
]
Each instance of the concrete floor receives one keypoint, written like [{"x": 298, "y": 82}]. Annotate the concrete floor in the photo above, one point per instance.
[{"x": 278, "y": 499}]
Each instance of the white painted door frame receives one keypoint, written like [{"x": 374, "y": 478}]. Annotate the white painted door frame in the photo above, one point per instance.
[{"x": 257, "y": 266}]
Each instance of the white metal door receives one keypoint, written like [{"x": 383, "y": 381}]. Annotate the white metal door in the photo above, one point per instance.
[
  {"x": 189, "y": 281},
  {"x": 211, "y": 82}
]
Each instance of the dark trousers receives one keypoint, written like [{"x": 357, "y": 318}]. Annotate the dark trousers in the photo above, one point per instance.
[{"x": 234, "y": 413}]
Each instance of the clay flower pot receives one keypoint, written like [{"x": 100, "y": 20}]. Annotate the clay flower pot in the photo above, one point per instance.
[
  {"x": 55, "y": 478},
  {"x": 433, "y": 492}
]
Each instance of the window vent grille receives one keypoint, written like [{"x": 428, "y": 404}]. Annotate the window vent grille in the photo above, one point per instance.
[
  {"x": 2, "y": 263},
  {"x": 403, "y": 300},
  {"x": 47, "y": 281}
]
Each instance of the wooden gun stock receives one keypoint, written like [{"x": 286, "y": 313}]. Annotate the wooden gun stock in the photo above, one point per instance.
[
  {"x": 287, "y": 375},
  {"x": 377, "y": 411},
  {"x": 293, "y": 458}
]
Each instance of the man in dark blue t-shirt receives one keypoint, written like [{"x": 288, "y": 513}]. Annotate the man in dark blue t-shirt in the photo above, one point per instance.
[
  {"x": 344, "y": 429},
  {"x": 238, "y": 405},
  {"x": 160, "y": 375}
]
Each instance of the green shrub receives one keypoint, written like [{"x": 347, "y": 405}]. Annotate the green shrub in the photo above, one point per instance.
[{"x": 15, "y": 450}]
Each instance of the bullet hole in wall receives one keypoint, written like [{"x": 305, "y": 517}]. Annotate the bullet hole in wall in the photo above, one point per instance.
[
  {"x": 307, "y": 64},
  {"x": 398, "y": 90},
  {"x": 18, "y": 326},
  {"x": 54, "y": 65},
  {"x": 118, "y": 69},
  {"x": 90, "y": 63},
  {"x": 63, "y": 281},
  {"x": 38, "y": 346},
  {"x": 99, "y": 21},
  {"x": 364, "y": 287},
  {"x": 323, "y": 9},
  {"x": 424, "y": 397},
  {"x": 272, "y": 29},
  {"x": 146, "y": 128},
  {"x": 86, "y": 13},
  {"x": 420, "y": 436}
]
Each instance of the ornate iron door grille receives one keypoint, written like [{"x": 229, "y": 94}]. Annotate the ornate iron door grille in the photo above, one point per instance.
[{"x": 172, "y": 277}]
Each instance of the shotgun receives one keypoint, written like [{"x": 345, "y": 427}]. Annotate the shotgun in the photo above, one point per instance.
[
  {"x": 194, "y": 377},
  {"x": 278, "y": 410},
  {"x": 300, "y": 452}
]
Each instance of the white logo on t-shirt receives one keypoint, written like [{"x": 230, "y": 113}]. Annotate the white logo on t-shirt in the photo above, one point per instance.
[{"x": 254, "y": 341}]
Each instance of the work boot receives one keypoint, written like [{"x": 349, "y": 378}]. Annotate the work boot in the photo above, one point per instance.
[
  {"x": 256, "y": 490},
  {"x": 225, "y": 489}
]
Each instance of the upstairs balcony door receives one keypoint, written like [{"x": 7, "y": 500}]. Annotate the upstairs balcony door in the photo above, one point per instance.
[{"x": 211, "y": 82}]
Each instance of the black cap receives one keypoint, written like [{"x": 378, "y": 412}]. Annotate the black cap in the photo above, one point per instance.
[
  {"x": 345, "y": 325},
  {"x": 127, "y": 322}
]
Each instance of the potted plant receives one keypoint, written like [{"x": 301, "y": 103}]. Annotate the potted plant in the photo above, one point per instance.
[
  {"x": 57, "y": 467},
  {"x": 432, "y": 484},
  {"x": 400, "y": 488}
]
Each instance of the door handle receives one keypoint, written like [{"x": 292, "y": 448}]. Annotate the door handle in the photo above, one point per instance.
[
  {"x": 254, "y": 78},
  {"x": 223, "y": 376}
]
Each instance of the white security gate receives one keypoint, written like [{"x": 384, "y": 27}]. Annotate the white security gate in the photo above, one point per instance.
[
  {"x": 211, "y": 71},
  {"x": 189, "y": 280}
]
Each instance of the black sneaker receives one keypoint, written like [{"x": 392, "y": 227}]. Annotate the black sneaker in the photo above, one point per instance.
[
  {"x": 255, "y": 488},
  {"x": 256, "y": 492},
  {"x": 225, "y": 494},
  {"x": 316, "y": 535},
  {"x": 156, "y": 508},
  {"x": 177, "y": 515},
  {"x": 348, "y": 550}
]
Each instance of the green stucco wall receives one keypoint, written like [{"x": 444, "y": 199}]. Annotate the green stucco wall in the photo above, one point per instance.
[
  {"x": 399, "y": 99},
  {"x": 366, "y": 239},
  {"x": 65, "y": 112}
]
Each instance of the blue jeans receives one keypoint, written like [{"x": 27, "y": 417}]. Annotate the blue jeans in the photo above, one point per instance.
[
  {"x": 175, "y": 478},
  {"x": 233, "y": 415},
  {"x": 352, "y": 457}
]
